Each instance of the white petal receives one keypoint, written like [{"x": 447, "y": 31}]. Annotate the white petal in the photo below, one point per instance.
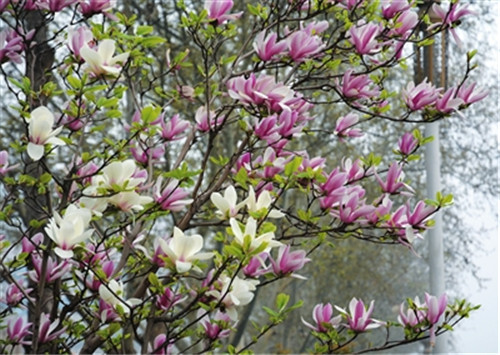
[
  {"x": 35, "y": 151},
  {"x": 183, "y": 266},
  {"x": 64, "y": 254},
  {"x": 106, "y": 50}
]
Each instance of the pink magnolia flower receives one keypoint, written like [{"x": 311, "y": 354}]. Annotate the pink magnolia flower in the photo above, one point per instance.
[
  {"x": 218, "y": 10},
  {"x": 412, "y": 316},
  {"x": 343, "y": 127},
  {"x": 30, "y": 244},
  {"x": 391, "y": 9},
  {"x": 448, "y": 102},
  {"x": 89, "y": 8},
  {"x": 358, "y": 317},
  {"x": 455, "y": 12},
  {"x": 218, "y": 327},
  {"x": 14, "y": 295},
  {"x": 322, "y": 316},
  {"x": 420, "y": 214},
  {"x": 288, "y": 262},
  {"x": 205, "y": 121},
  {"x": 435, "y": 309},
  {"x": 267, "y": 48},
  {"x": 54, "y": 5},
  {"x": 174, "y": 129},
  {"x": 169, "y": 299},
  {"x": 108, "y": 268},
  {"x": 407, "y": 144},
  {"x": 4, "y": 163},
  {"x": 352, "y": 209},
  {"x": 107, "y": 313},
  {"x": 405, "y": 23},
  {"x": 11, "y": 46},
  {"x": 394, "y": 179},
  {"x": 417, "y": 97},
  {"x": 18, "y": 329},
  {"x": 266, "y": 129},
  {"x": 363, "y": 37},
  {"x": 354, "y": 170},
  {"x": 256, "y": 266},
  {"x": 144, "y": 155},
  {"x": 171, "y": 197},
  {"x": 260, "y": 91},
  {"x": 358, "y": 87},
  {"x": 161, "y": 346},
  {"x": 469, "y": 94},
  {"x": 54, "y": 270},
  {"x": 335, "y": 180},
  {"x": 77, "y": 38},
  {"x": 47, "y": 329},
  {"x": 303, "y": 45}
]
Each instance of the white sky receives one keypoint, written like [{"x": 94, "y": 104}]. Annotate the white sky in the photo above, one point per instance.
[{"x": 480, "y": 333}]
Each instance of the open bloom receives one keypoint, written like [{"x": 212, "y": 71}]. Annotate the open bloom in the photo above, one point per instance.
[
  {"x": 322, "y": 315},
  {"x": 47, "y": 331},
  {"x": 218, "y": 10},
  {"x": 249, "y": 235},
  {"x": 68, "y": 231},
  {"x": 11, "y": 46},
  {"x": 92, "y": 7},
  {"x": 303, "y": 44},
  {"x": 18, "y": 329},
  {"x": 183, "y": 250},
  {"x": 417, "y": 97},
  {"x": 41, "y": 132},
  {"x": 234, "y": 292},
  {"x": 358, "y": 317},
  {"x": 452, "y": 16},
  {"x": 171, "y": 198},
  {"x": 263, "y": 202},
  {"x": 77, "y": 38},
  {"x": 358, "y": 87},
  {"x": 101, "y": 61},
  {"x": 218, "y": 327},
  {"x": 266, "y": 46},
  {"x": 344, "y": 126},
  {"x": 289, "y": 261},
  {"x": 54, "y": 270},
  {"x": 363, "y": 37},
  {"x": 112, "y": 294},
  {"x": 469, "y": 94},
  {"x": 227, "y": 205}
]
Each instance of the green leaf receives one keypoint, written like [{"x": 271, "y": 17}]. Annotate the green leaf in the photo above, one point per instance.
[
  {"x": 144, "y": 30},
  {"x": 282, "y": 301},
  {"x": 293, "y": 166}
]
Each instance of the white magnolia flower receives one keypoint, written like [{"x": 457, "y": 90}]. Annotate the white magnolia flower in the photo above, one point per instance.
[
  {"x": 241, "y": 293},
  {"x": 183, "y": 250},
  {"x": 129, "y": 200},
  {"x": 101, "y": 61},
  {"x": 119, "y": 173},
  {"x": 113, "y": 295},
  {"x": 250, "y": 232},
  {"x": 69, "y": 230},
  {"x": 264, "y": 201},
  {"x": 227, "y": 205},
  {"x": 41, "y": 132}
]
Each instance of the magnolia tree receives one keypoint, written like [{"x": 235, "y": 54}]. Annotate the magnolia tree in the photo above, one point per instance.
[{"x": 130, "y": 226}]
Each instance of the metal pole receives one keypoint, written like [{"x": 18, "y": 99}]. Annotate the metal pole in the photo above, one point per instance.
[{"x": 433, "y": 180}]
